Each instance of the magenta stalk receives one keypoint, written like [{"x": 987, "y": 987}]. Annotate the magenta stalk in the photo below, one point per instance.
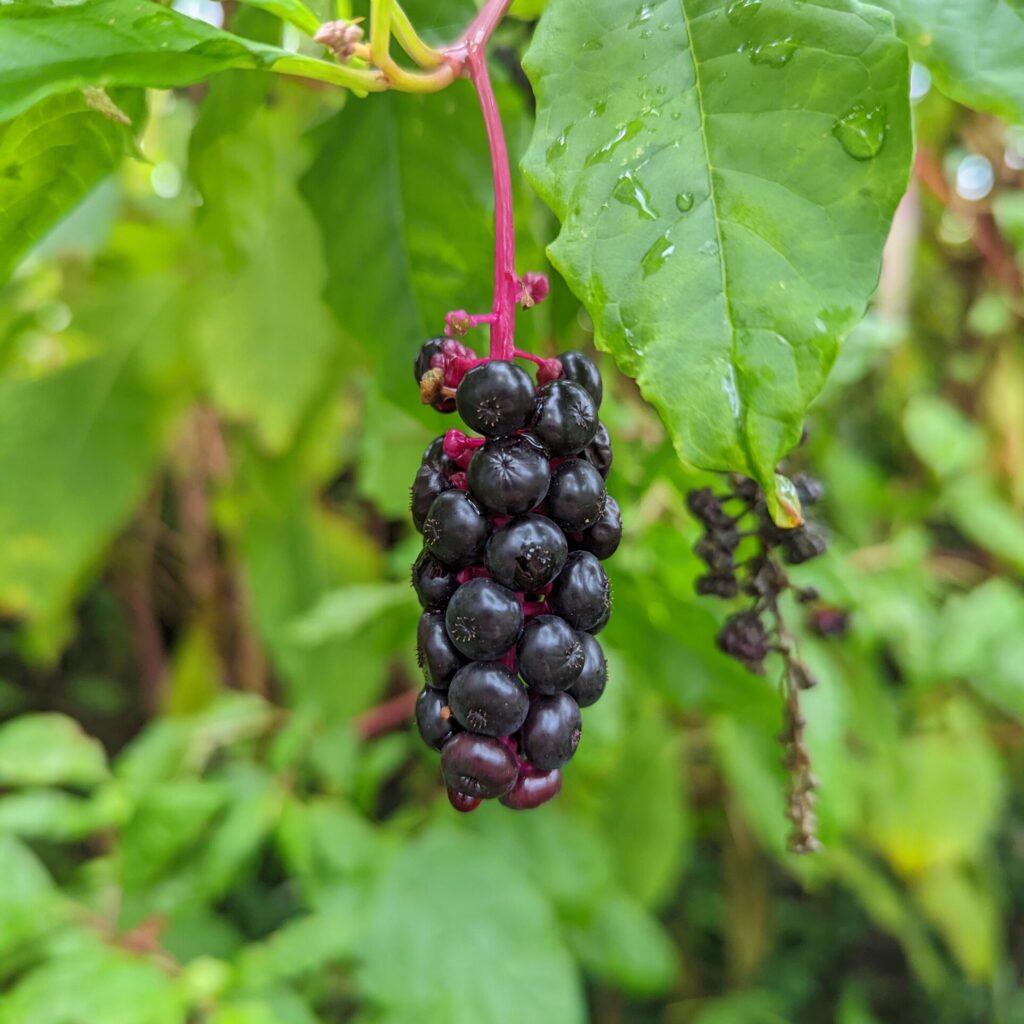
[{"x": 506, "y": 285}]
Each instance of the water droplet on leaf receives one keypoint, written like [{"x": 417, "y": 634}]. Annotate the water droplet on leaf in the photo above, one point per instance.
[
  {"x": 630, "y": 192},
  {"x": 642, "y": 14},
  {"x": 775, "y": 54},
  {"x": 709, "y": 248},
  {"x": 861, "y": 131},
  {"x": 739, "y": 12},
  {"x": 657, "y": 256},
  {"x": 622, "y": 134},
  {"x": 559, "y": 146},
  {"x": 593, "y": 44},
  {"x": 684, "y": 202}
]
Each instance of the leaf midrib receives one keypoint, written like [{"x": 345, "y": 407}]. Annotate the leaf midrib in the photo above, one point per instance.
[{"x": 713, "y": 200}]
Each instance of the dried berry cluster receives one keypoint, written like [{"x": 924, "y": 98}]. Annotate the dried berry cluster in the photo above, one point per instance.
[
  {"x": 746, "y": 554},
  {"x": 515, "y": 524}
]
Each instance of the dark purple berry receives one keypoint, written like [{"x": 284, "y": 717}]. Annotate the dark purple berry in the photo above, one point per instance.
[
  {"x": 455, "y": 529},
  {"x": 808, "y": 489},
  {"x": 551, "y": 654},
  {"x": 509, "y": 476},
  {"x": 576, "y": 497},
  {"x": 434, "y": 456},
  {"x": 599, "y": 452},
  {"x": 488, "y": 699},
  {"x": 712, "y": 585},
  {"x": 430, "y": 481},
  {"x": 494, "y": 399},
  {"x": 602, "y": 539},
  {"x": 581, "y": 593},
  {"x": 484, "y": 619},
  {"x": 433, "y": 582},
  {"x": 804, "y": 543},
  {"x": 433, "y": 718},
  {"x": 708, "y": 509},
  {"x": 588, "y": 688},
  {"x": 527, "y": 553},
  {"x": 829, "y": 621},
  {"x": 551, "y": 732},
  {"x": 436, "y": 653},
  {"x": 479, "y": 767},
  {"x": 581, "y": 370},
  {"x": 463, "y": 804},
  {"x": 532, "y": 789},
  {"x": 744, "y": 638},
  {"x": 564, "y": 417}
]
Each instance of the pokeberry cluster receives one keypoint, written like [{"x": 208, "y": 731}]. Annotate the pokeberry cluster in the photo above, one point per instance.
[
  {"x": 515, "y": 522},
  {"x": 745, "y": 554}
]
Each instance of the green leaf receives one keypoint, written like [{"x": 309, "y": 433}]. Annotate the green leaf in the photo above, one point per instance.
[
  {"x": 723, "y": 212},
  {"x": 984, "y": 515},
  {"x": 343, "y": 613},
  {"x": 502, "y": 962},
  {"x": 51, "y": 156},
  {"x": 941, "y": 436},
  {"x": 92, "y": 981},
  {"x": 51, "y": 47},
  {"x": 107, "y": 418},
  {"x": 49, "y": 750},
  {"x": 265, "y": 338},
  {"x": 59, "y": 817},
  {"x": 981, "y": 639},
  {"x": 30, "y": 906},
  {"x": 965, "y": 912},
  {"x": 295, "y": 12},
  {"x": 623, "y": 944},
  {"x": 972, "y": 48}
]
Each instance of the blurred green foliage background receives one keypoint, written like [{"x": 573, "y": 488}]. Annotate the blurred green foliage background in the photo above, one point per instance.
[{"x": 207, "y": 431}]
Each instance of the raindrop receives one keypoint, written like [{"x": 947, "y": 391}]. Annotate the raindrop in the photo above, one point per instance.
[
  {"x": 643, "y": 13},
  {"x": 920, "y": 81},
  {"x": 684, "y": 202},
  {"x": 657, "y": 256},
  {"x": 861, "y": 131},
  {"x": 624, "y": 133},
  {"x": 559, "y": 146},
  {"x": 709, "y": 248},
  {"x": 646, "y": 33},
  {"x": 974, "y": 177},
  {"x": 732, "y": 392},
  {"x": 599, "y": 108},
  {"x": 775, "y": 54},
  {"x": 739, "y": 12},
  {"x": 630, "y": 192},
  {"x": 593, "y": 44}
]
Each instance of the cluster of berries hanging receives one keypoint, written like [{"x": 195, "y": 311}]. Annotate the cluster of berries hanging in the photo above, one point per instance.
[
  {"x": 515, "y": 524},
  {"x": 745, "y": 553}
]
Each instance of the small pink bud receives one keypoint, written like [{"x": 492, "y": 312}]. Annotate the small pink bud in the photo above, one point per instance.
[
  {"x": 533, "y": 289},
  {"x": 457, "y": 323},
  {"x": 341, "y": 37}
]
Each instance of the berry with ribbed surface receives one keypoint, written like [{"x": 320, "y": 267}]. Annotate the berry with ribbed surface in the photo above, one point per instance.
[{"x": 515, "y": 523}]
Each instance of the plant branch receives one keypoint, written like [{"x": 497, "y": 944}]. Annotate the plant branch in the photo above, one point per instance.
[
  {"x": 392, "y": 715},
  {"x": 409, "y": 39},
  {"x": 505, "y": 282}
]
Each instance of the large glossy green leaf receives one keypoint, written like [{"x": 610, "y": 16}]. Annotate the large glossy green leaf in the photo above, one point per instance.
[
  {"x": 50, "y": 158},
  {"x": 725, "y": 174},
  {"x": 973, "y": 48},
  {"x": 50, "y": 47}
]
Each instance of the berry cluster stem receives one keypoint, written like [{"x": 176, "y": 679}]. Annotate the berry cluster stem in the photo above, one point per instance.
[{"x": 506, "y": 285}]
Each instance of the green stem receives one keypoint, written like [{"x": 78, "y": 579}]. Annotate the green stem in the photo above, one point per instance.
[
  {"x": 410, "y": 41},
  {"x": 380, "y": 32}
]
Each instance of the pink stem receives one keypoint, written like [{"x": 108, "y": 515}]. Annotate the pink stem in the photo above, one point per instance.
[{"x": 505, "y": 283}]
